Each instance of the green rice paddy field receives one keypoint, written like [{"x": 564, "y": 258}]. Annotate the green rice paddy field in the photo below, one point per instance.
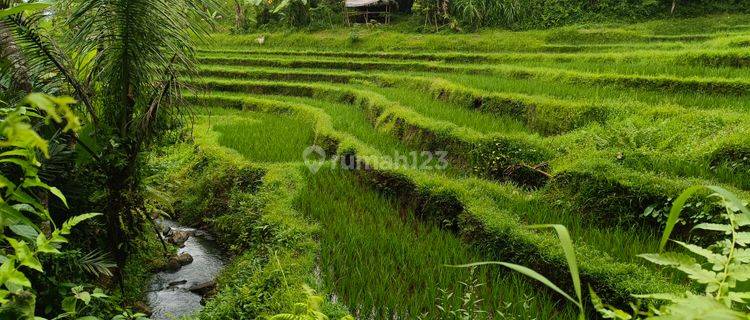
[{"x": 584, "y": 126}]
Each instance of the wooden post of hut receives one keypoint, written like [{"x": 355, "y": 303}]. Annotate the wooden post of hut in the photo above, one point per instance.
[{"x": 363, "y": 8}]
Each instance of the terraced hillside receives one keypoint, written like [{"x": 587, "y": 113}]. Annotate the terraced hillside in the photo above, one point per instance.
[{"x": 594, "y": 130}]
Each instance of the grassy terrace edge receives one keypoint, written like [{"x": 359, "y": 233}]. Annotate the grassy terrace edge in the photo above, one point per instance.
[
  {"x": 466, "y": 147},
  {"x": 540, "y": 114},
  {"x": 469, "y": 206},
  {"x": 276, "y": 246},
  {"x": 665, "y": 83},
  {"x": 409, "y": 126},
  {"x": 730, "y": 58}
]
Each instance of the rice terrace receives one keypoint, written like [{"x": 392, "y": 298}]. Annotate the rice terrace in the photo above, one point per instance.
[{"x": 371, "y": 159}]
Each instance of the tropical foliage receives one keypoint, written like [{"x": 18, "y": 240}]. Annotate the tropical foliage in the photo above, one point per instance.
[
  {"x": 27, "y": 228},
  {"x": 273, "y": 14},
  {"x": 123, "y": 67},
  {"x": 309, "y": 310},
  {"x": 473, "y": 14},
  {"x": 720, "y": 273}
]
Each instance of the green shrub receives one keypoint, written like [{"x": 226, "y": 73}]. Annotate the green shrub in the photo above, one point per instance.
[
  {"x": 506, "y": 159},
  {"x": 293, "y": 14},
  {"x": 27, "y": 230},
  {"x": 530, "y": 14}
]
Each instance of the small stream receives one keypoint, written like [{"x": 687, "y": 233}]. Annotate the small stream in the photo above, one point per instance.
[{"x": 169, "y": 294}]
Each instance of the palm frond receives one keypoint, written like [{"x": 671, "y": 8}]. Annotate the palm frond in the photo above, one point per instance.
[
  {"x": 61, "y": 159},
  {"x": 36, "y": 61},
  {"x": 49, "y": 56},
  {"x": 140, "y": 39},
  {"x": 96, "y": 263},
  {"x": 15, "y": 65},
  {"x": 147, "y": 45}
]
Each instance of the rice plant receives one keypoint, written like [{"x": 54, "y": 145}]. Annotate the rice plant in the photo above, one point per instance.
[
  {"x": 275, "y": 138},
  {"x": 382, "y": 261}
]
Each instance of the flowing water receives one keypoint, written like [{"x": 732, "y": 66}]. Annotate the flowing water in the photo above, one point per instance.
[{"x": 169, "y": 296}]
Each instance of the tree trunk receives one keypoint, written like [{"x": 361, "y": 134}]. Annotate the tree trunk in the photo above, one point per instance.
[
  {"x": 121, "y": 187},
  {"x": 117, "y": 203},
  {"x": 239, "y": 19},
  {"x": 9, "y": 50}
]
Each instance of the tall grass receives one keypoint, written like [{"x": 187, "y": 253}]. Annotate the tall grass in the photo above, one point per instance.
[
  {"x": 426, "y": 105},
  {"x": 622, "y": 243},
  {"x": 381, "y": 261},
  {"x": 652, "y": 66},
  {"x": 611, "y": 95},
  {"x": 266, "y": 137},
  {"x": 722, "y": 63},
  {"x": 351, "y": 120}
]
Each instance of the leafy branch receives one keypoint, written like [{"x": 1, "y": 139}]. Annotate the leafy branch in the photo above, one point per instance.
[{"x": 19, "y": 207}]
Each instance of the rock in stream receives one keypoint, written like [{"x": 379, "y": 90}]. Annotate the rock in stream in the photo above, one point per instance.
[{"x": 178, "y": 292}]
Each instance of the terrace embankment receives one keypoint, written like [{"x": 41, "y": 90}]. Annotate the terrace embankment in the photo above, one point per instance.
[{"x": 557, "y": 128}]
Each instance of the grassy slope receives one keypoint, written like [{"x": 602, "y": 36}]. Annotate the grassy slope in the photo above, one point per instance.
[
  {"x": 606, "y": 37},
  {"x": 629, "y": 114},
  {"x": 367, "y": 238}
]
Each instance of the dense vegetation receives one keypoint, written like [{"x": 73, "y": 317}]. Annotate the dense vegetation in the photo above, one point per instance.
[
  {"x": 468, "y": 15},
  {"x": 121, "y": 67},
  {"x": 346, "y": 171}
]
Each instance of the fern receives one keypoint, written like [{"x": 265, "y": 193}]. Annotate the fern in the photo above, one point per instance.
[
  {"x": 309, "y": 310},
  {"x": 96, "y": 263},
  {"x": 72, "y": 222},
  {"x": 717, "y": 268},
  {"x": 47, "y": 58}
]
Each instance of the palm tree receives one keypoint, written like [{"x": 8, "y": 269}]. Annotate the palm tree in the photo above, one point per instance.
[
  {"x": 239, "y": 15},
  {"x": 142, "y": 48},
  {"x": 31, "y": 57}
]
